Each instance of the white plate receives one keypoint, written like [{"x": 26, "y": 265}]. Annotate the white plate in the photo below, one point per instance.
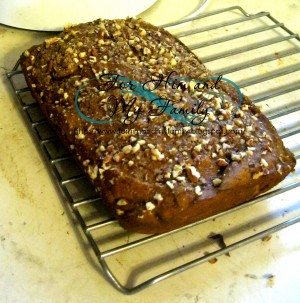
[{"x": 53, "y": 15}]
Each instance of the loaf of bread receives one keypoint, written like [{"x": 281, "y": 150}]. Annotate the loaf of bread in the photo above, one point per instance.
[{"x": 164, "y": 142}]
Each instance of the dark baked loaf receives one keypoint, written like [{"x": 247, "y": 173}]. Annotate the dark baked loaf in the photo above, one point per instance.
[{"x": 155, "y": 171}]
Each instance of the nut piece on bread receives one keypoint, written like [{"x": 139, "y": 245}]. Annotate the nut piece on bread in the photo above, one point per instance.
[{"x": 155, "y": 171}]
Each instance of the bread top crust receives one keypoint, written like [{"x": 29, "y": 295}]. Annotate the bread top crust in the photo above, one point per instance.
[{"x": 147, "y": 163}]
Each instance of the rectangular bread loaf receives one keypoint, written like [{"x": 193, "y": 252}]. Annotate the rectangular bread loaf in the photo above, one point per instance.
[{"x": 163, "y": 140}]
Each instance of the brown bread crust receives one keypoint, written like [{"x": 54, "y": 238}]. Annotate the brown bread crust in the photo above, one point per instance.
[{"x": 153, "y": 181}]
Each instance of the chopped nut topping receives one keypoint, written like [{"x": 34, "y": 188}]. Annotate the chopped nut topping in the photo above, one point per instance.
[
  {"x": 118, "y": 157},
  {"x": 226, "y": 146},
  {"x": 167, "y": 175},
  {"x": 136, "y": 148},
  {"x": 122, "y": 202},
  {"x": 198, "y": 191},
  {"x": 52, "y": 40},
  {"x": 208, "y": 96},
  {"x": 130, "y": 163},
  {"x": 147, "y": 51},
  {"x": 80, "y": 135},
  {"x": 93, "y": 172},
  {"x": 217, "y": 182},
  {"x": 263, "y": 162},
  {"x": 238, "y": 122},
  {"x": 279, "y": 168},
  {"x": 198, "y": 148},
  {"x": 93, "y": 59},
  {"x": 257, "y": 175},
  {"x": 249, "y": 152},
  {"x": 218, "y": 102},
  {"x": 192, "y": 85},
  {"x": 127, "y": 149},
  {"x": 69, "y": 50},
  {"x": 150, "y": 206},
  {"x": 152, "y": 62},
  {"x": 239, "y": 113},
  {"x": 143, "y": 32},
  {"x": 162, "y": 51},
  {"x": 212, "y": 117},
  {"x": 193, "y": 137},
  {"x": 173, "y": 62},
  {"x": 268, "y": 137},
  {"x": 120, "y": 212},
  {"x": 192, "y": 173},
  {"x": 156, "y": 154},
  {"x": 101, "y": 148},
  {"x": 141, "y": 142},
  {"x": 117, "y": 34},
  {"x": 222, "y": 162},
  {"x": 177, "y": 170},
  {"x": 158, "y": 197},
  {"x": 85, "y": 162},
  {"x": 170, "y": 184},
  {"x": 235, "y": 157},
  {"x": 82, "y": 54},
  {"x": 101, "y": 42},
  {"x": 173, "y": 151},
  {"x": 229, "y": 127}
]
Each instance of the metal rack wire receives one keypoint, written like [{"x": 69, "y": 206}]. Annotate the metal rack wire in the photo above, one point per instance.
[{"x": 106, "y": 239}]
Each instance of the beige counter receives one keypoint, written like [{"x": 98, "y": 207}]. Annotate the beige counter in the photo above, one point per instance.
[{"x": 42, "y": 257}]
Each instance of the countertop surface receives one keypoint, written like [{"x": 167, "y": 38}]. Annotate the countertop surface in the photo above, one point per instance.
[{"x": 42, "y": 256}]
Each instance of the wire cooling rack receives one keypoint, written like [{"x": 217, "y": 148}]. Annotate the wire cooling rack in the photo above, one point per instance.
[{"x": 262, "y": 56}]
